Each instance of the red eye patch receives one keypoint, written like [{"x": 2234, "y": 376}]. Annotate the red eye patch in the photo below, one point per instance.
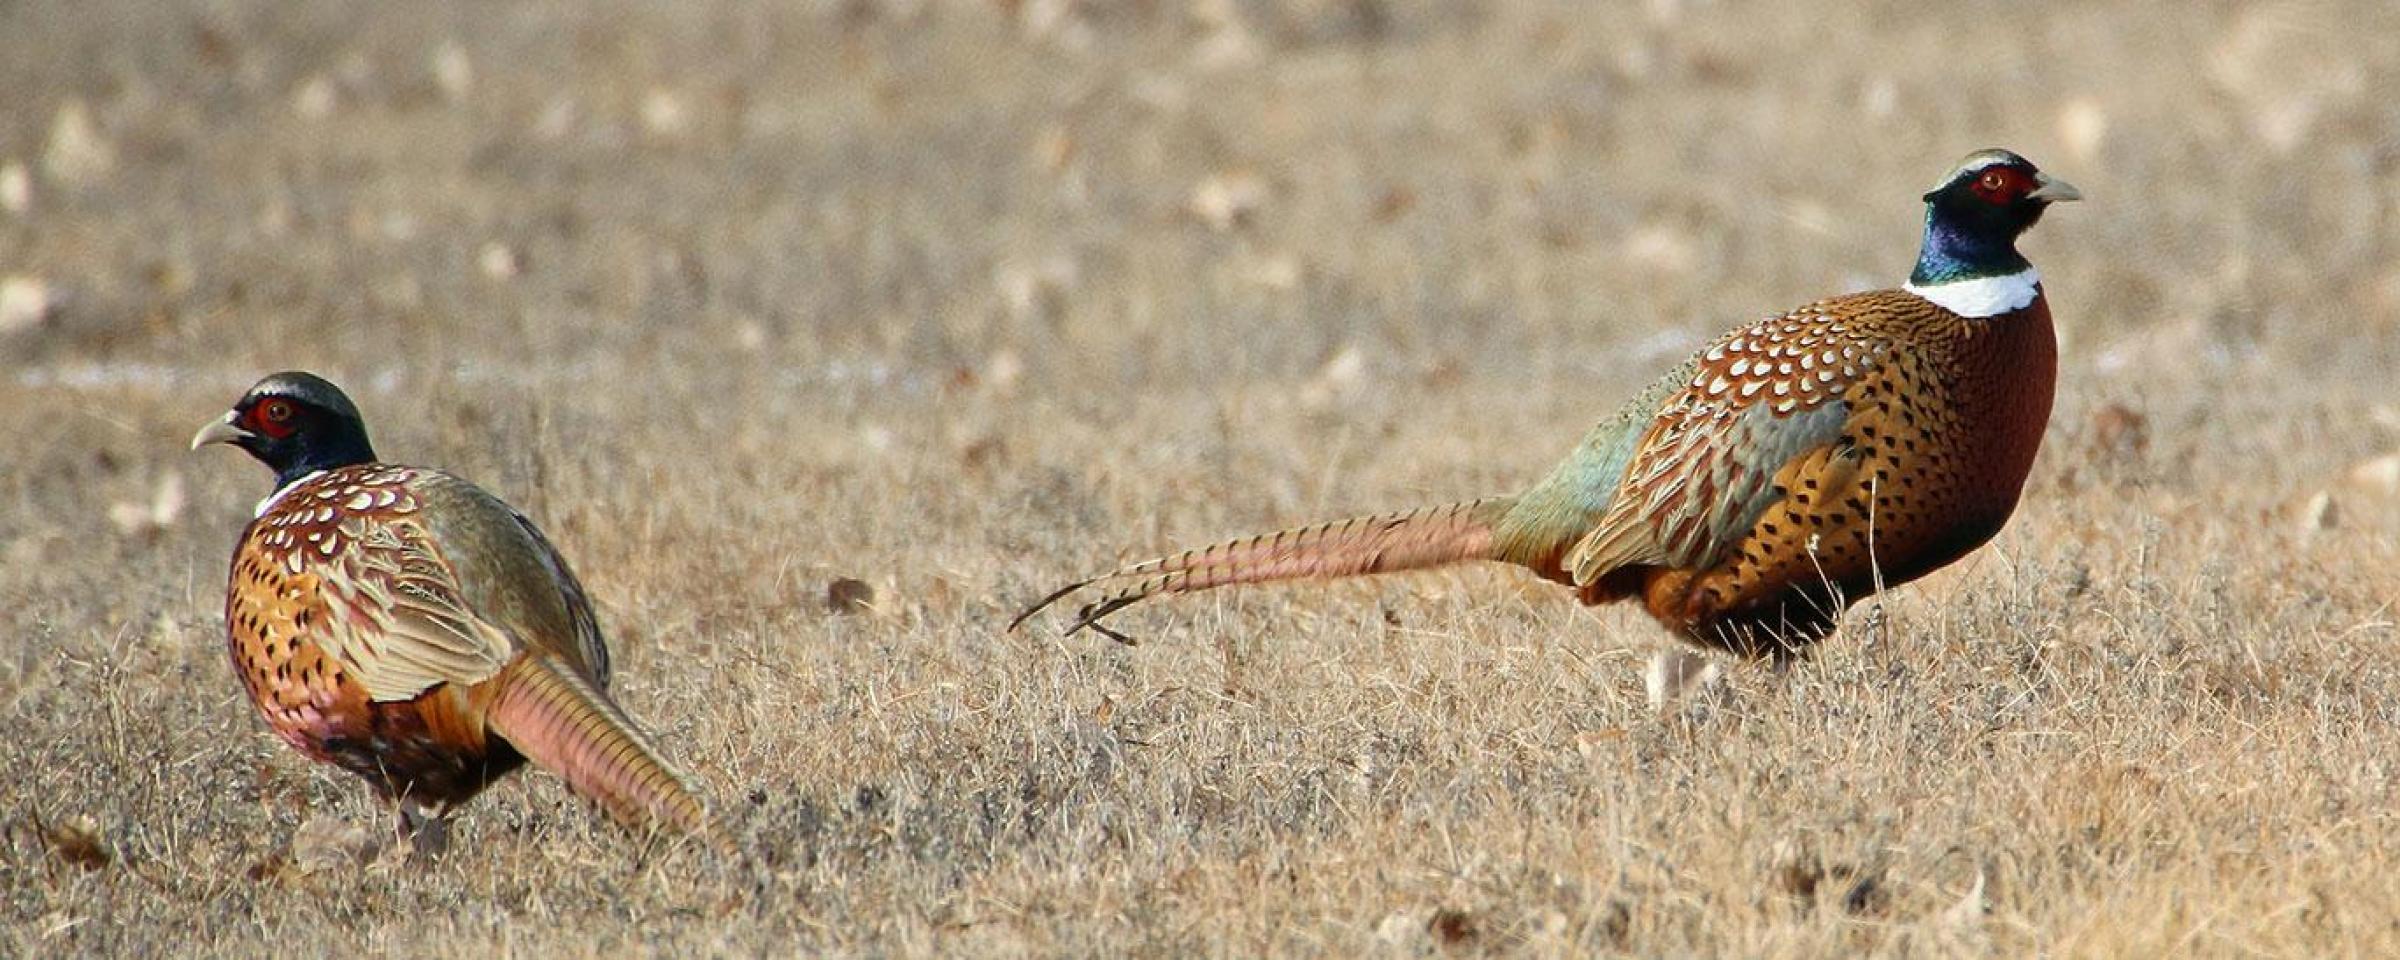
[
  {"x": 2002, "y": 184},
  {"x": 273, "y": 416}
]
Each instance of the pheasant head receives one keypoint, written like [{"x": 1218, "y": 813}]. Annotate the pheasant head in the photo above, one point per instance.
[
  {"x": 1970, "y": 262},
  {"x": 296, "y": 423}
]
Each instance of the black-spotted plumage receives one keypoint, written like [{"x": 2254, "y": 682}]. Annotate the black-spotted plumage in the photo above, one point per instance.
[
  {"x": 406, "y": 626},
  {"x": 1790, "y": 468}
]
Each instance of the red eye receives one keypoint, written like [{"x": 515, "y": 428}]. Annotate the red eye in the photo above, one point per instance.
[
  {"x": 272, "y": 416},
  {"x": 2000, "y": 185}
]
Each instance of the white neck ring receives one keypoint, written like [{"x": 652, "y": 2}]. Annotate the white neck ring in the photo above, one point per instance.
[{"x": 1981, "y": 297}]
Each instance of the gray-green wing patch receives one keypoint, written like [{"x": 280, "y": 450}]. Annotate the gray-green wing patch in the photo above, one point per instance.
[{"x": 1565, "y": 505}]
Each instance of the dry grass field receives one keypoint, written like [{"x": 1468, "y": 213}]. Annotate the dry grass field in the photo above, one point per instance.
[{"x": 962, "y": 299}]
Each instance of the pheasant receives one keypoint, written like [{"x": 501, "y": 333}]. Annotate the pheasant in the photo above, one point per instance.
[
  {"x": 406, "y": 626},
  {"x": 1790, "y": 468}
]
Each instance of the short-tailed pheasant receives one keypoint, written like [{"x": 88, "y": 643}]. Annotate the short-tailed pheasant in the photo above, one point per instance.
[
  {"x": 1790, "y": 468},
  {"x": 406, "y": 626}
]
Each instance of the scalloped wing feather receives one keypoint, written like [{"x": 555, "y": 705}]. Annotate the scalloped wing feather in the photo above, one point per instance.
[
  {"x": 1705, "y": 471},
  {"x": 397, "y": 620}
]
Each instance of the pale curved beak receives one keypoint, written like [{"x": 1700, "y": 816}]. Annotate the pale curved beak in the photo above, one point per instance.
[
  {"x": 220, "y": 431},
  {"x": 2052, "y": 190}
]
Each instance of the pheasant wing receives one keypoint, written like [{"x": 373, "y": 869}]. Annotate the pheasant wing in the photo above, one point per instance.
[
  {"x": 397, "y": 619},
  {"x": 589, "y": 642},
  {"x": 1705, "y": 470}
]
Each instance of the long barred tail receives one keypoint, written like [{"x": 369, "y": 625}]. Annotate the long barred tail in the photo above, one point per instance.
[
  {"x": 1413, "y": 540},
  {"x": 567, "y": 726}
]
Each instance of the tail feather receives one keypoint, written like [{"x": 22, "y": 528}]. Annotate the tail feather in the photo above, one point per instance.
[
  {"x": 1410, "y": 540},
  {"x": 557, "y": 718}
]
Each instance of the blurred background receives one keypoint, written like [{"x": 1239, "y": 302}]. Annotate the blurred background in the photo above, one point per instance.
[{"x": 1108, "y": 195}]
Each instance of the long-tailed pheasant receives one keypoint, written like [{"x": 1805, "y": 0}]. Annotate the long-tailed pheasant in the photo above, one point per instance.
[
  {"x": 406, "y": 626},
  {"x": 1790, "y": 468}
]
